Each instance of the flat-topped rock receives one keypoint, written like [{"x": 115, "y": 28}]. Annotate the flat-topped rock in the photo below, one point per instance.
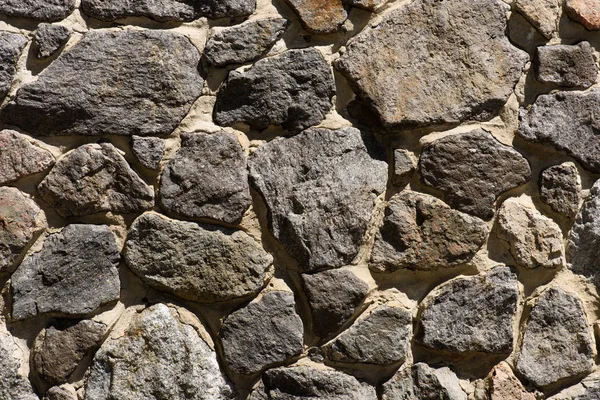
[
  {"x": 39, "y": 10},
  {"x": 567, "y": 66}
]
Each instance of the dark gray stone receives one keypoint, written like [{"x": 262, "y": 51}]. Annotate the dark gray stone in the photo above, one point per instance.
[
  {"x": 320, "y": 16},
  {"x": 13, "y": 385},
  {"x": 148, "y": 150},
  {"x": 19, "y": 157},
  {"x": 473, "y": 169},
  {"x": 11, "y": 46},
  {"x": 49, "y": 38},
  {"x": 404, "y": 167},
  {"x": 293, "y": 90},
  {"x": 125, "y": 82},
  {"x": 560, "y": 188},
  {"x": 568, "y": 66},
  {"x": 423, "y": 383},
  {"x": 39, "y": 10}
]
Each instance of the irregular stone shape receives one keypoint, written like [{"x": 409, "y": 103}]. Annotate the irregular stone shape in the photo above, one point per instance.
[
  {"x": 195, "y": 262},
  {"x": 404, "y": 167},
  {"x": 382, "y": 337},
  {"x": 333, "y": 297},
  {"x": 207, "y": 178},
  {"x": 557, "y": 343},
  {"x": 244, "y": 43},
  {"x": 370, "y": 5},
  {"x": 125, "y": 82},
  {"x": 472, "y": 314},
  {"x": 293, "y": 89},
  {"x": 265, "y": 332},
  {"x": 73, "y": 274},
  {"x": 319, "y": 187},
  {"x": 534, "y": 240},
  {"x": 560, "y": 188},
  {"x": 567, "y": 121},
  {"x": 542, "y": 14},
  {"x": 157, "y": 357},
  {"x": 21, "y": 220},
  {"x": 473, "y": 169},
  {"x": 504, "y": 385},
  {"x": 39, "y": 10},
  {"x": 11, "y": 46},
  {"x": 421, "y": 232},
  {"x": 19, "y": 157},
  {"x": 49, "y": 38},
  {"x": 59, "y": 393},
  {"x": 586, "y": 12},
  {"x": 58, "y": 351},
  {"x": 320, "y": 16},
  {"x": 583, "y": 248},
  {"x": 13, "y": 386},
  {"x": 424, "y": 383},
  {"x": 95, "y": 178},
  {"x": 587, "y": 389},
  {"x": 523, "y": 34},
  {"x": 441, "y": 52},
  {"x": 148, "y": 150},
  {"x": 568, "y": 66}
]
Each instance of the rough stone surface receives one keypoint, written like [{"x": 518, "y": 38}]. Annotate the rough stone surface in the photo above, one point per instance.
[
  {"x": 424, "y": 383},
  {"x": 148, "y": 150},
  {"x": 569, "y": 66},
  {"x": 557, "y": 342},
  {"x": 435, "y": 48},
  {"x": 333, "y": 297},
  {"x": 207, "y": 178},
  {"x": 39, "y": 10},
  {"x": 560, "y": 188},
  {"x": 534, "y": 240},
  {"x": 158, "y": 358},
  {"x": 49, "y": 38},
  {"x": 320, "y": 16},
  {"x": 542, "y": 14},
  {"x": 265, "y": 332},
  {"x": 95, "y": 178},
  {"x": 126, "y": 82},
  {"x": 473, "y": 169},
  {"x": 370, "y": 5},
  {"x": 319, "y": 187},
  {"x": 72, "y": 275},
  {"x": 472, "y": 314},
  {"x": 504, "y": 385},
  {"x": 13, "y": 385},
  {"x": 421, "y": 232},
  {"x": 201, "y": 263},
  {"x": 244, "y": 43},
  {"x": 586, "y": 12},
  {"x": 11, "y": 46},
  {"x": 292, "y": 90},
  {"x": 19, "y": 157},
  {"x": 59, "y": 393},
  {"x": 404, "y": 167}
]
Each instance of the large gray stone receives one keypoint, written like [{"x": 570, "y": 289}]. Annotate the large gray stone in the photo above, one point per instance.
[
  {"x": 73, "y": 274},
  {"x": 320, "y": 16},
  {"x": 125, "y": 82},
  {"x": 473, "y": 169},
  {"x": 11, "y": 46},
  {"x": 542, "y": 14},
  {"x": 13, "y": 385},
  {"x": 560, "y": 188},
  {"x": 319, "y": 187},
  {"x": 207, "y": 178},
  {"x": 423, "y": 383},
  {"x": 195, "y": 262},
  {"x": 568, "y": 66},
  {"x": 158, "y": 357},
  {"x": 19, "y": 157},
  {"x": 39, "y": 10},
  {"x": 428, "y": 62},
  {"x": 583, "y": 248},
  {"x": 293, "y": 90},
  {"x": 49, "y": 38}
]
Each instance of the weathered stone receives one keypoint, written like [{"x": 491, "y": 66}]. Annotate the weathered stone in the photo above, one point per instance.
[
  {"x": 587, "y": 389},
  {"x": 424, "y": 383},
  {"x": 557, "y": 343},
  {"x": 293, "y": 90},
  {"x": 504, "y": 385},
  {"x": 158, "y": 357},
  {"x": 560, "y": 188},
  {"x": 542, "y": 14},
  {"x": 207, "y": 178},
  {"x": 320, "y": 16},
  {"x": 19, "y": 157},
  {"x": 49, "y": 38},
  {"x": 195, "y": 262},
  {"x": 319, "y": 187},
  {"x": 39, "y": 10},
  {"x": 404, "y": 167},
  {"x": 265, "y": 332},
  {"x": 382, "y": 337},
  {"x": 11, "y": 46},
  {"x": 13, "y": 385},
  {"x": 21, "y": 220},
  {"x": 59, "y": 349},
  {"x": 428, "y": 62},
  {"x": 95, "y": 178},
  {"x": 421, "y": 232},
  {"x": 473, "y": 169},
  {"x": 72, "y": 275},
  {"x": 333, "y": 297},
  {"x": 243, "y": 43},
  {"x": 60, "y": 393},
  {"x": 148, "y": 150},
  {"x": 523, "y": 34},
  {"x": 534, "y": 240},
  {"x": 472, "y": 314},
  {"x": 125, "y": 82},
  {"x": 370, "y": 5},
  {"x": 586, "y": 12},
  {"x": 569, "y": 66}
]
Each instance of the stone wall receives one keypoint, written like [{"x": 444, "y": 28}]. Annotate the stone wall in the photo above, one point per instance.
[{"x": 293, "y": 199}]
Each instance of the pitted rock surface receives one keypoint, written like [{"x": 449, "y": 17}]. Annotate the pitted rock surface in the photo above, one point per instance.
[
  {"x": 542, "y": 14},
  {"x": 424, "y": 383},
  {"x": 568, "y": 66},
  {"x": 505, "y": 385},
  {"x": 13, "y": 385},
  {"x": 148, "y": 150},
  {"x": 11, "y": 47},
  {"x": 19, "y": 157},
  {"x": 560, "y": 188},
  {"x": 320, "y": 16},
  {"x": 39, "y": 10},
  {"x": 586, "y": 12},
  {"x": 49, "y": 38}
]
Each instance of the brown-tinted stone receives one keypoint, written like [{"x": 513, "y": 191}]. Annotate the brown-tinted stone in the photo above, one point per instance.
[
  {"x": 543, "y": 14},
  {"x": 19, "y": 157},
  {"x": 586, "y": 12},
  {"x": 320, "y": 16},
  {"x": 504, "y": 385}
]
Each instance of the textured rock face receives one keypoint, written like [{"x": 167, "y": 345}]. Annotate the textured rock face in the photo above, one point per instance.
[
  {"x": 39, "y": 10},
  {"x": 422, "y": 232},
  {"x": 13, "y": 385},
  {"x": 370, "y": 5},
  {"x": 95, "y": 178},
  {"x": 424, "y": 383},
  {"x": 59, "y": 393},
  {"x": 195, "y": 262},
  {"x": 20, "y": 158},
  {"x": 560, "y": 188},
  {"x": 473, "y": 169},
  {"x": 586, "y": 12},
  {"x": 49, "y": 38},
  {"x": 583, "y": 249},
  {"x": 557, "y": 343},
  {"x": 569, "y": 66},
  {"x": 441, "y": 47},
  {"x": 505, "y": 385},
  {"x": 319, "y": 187},
  {"x": 159, "y": 358},
  {"x": 112, "y": 82},
  {"x": 320, "y": 16},
  {"x": 542, "y": 14},
  {"x": 74, "y": 274},
  {"x": 473, "y": 314},
  {"x": 293, "y": 90},
  {"x": 404, "y": 167},
  {"x": 148, "y": 150},
  {"x": 265, "y": 332},
  {"x": 207, "y": 178},
  {"x": 11, "y": 46}
]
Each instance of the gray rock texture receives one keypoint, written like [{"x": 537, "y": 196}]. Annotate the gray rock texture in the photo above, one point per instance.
[
  {"x": 201, "y": 263},
  {"x": 569, "y": 66},
  {"x": 542, "y": 14},
  {"x": 73, "y": 274},
  {"x": 560, "y": 188},
  {"x": 39, "y": 10},
  {"x": 473, "y": 169},
  {"x": 13, "y": 385},
  {"x": 11, "y": 46},
  {"x": 586, "y": 12},
  {"x": 320, "y": 16},
  {"x": 292, "y": 90},
  {"x": 207, "y": 178},
  {"x": 424, "y": 383},
  {"x": 404, "y": 167},
  {"x": 60, "y": 393},
  {"x": 19, "y": 157},
  {"x": 148, "y": 150},
  {"x": 504, "y": 385},
  {"x": 319, "y": 188},
  {"x": 441, "y": 49},
  {"x": 126, "y": 82},
  {"x": 49, "y": 38}
]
